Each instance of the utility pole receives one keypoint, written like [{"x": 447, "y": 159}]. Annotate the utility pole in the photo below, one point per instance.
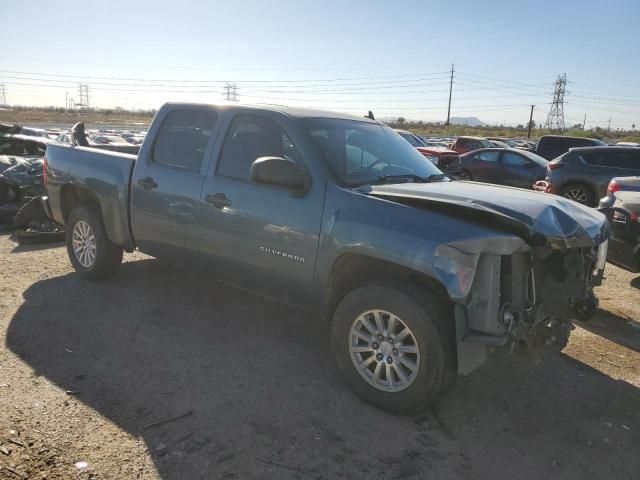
[
  {"x": 83, "y": 94},
  {"x": 530, "y": 122},
  {"x": 450, "y": 90},
  {"x": 3, "y": 95},
  {"x": 555, "y": 119},
  {"x": 609, "y": 125},
  {"x": 584, "y": 122},
  {"x": 66, "y": 101},
  {"x": 230, "y": 92}
]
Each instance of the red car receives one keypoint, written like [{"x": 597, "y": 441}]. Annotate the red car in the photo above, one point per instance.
[
  {"x": 447, "y": 160},
  {"x": 468, "y": 144}
]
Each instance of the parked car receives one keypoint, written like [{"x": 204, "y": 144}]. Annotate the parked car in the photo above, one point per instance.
[
  {"x": 20, "y": 145},
  {"x": 338, "y": 214},
  {"x": 582, "y": 174},
  {"x": 468, "y": 144},
  {"x": 552, "y": 146},
  {"x": 34, "y": 132},
  {"x": 503, "y": 166},
  {"x": 509, "y": 142},
  {"x": 447, "y": 160},
  {"x": 108, "y": 140},
  {"x": 621, "y": 206}
]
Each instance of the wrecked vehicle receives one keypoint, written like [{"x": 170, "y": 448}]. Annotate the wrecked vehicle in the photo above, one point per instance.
[
  {"x": 19, "y": 182},
  {"x": 420, "y": 276}
]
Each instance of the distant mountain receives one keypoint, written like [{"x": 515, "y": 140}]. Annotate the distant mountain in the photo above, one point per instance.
[{"x": 470, "y": 121}]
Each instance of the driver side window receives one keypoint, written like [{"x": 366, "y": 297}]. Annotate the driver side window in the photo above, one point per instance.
[
  {"x": 250, "y": 137},
  {"x": 357, "y": 157}
]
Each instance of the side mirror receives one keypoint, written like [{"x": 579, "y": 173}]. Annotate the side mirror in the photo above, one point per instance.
[{"x": 279, "y": 172}]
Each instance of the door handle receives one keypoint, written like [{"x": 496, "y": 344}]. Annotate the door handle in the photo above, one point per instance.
[
  {"x": 218, "y": 200},
  {"x": 147, "y": 183}
]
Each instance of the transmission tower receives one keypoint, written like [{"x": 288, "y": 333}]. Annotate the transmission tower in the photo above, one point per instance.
[
  {"x": 3, "y": 95},
  {"x": 83, "y": 96},
  {"x": 555, "y": 119},
  {"x": 230, "y": 92}
]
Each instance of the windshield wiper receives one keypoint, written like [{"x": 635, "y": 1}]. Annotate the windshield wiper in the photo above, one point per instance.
[{"x": 409, "y": 177}]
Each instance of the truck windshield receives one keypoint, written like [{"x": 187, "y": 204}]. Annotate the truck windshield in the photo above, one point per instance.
[{"x": 359, "y": 153}]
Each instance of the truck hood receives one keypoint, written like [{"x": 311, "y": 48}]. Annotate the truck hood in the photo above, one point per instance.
[{"x": 538, "y": 218}]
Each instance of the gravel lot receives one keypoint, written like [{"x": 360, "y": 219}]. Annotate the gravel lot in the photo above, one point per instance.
[{"x": 88, "y": 372}]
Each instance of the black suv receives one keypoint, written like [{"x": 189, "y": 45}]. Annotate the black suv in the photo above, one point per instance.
[
  {"x": 552, "y": 146},
  {"x": 582, "y": 174}
]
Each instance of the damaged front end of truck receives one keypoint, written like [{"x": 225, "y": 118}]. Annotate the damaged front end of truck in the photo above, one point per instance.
[{"x": 522, "y": 290}]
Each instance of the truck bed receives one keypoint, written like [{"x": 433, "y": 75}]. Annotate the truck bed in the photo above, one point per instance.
[{"x": 103, "y": 175}]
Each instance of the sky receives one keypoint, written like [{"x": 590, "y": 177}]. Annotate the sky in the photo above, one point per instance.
[{"x": 393, "y": 58}]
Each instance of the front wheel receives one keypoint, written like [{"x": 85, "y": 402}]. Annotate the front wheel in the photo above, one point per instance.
[
  {"x": 396, "y": 350},
  {"x": 465, "y": 175},
  {"x": 91, "y": 252}
]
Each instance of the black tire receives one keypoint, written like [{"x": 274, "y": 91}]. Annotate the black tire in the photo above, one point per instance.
[
  {"x": 466, "y": 175},
  {"x": 432, "y": 324},
  {"x": 580, "y": 193},
  {"x": 108, "y": 256}
]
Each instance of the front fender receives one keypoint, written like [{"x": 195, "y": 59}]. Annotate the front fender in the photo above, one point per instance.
[{"x": 444, "y": 248}]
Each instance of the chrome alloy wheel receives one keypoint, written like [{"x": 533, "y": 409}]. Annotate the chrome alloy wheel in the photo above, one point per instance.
[
  {"x": 84, "y": 244},
  {"x": 384, "y": 350},
  {"x": 577, "y": 195}
]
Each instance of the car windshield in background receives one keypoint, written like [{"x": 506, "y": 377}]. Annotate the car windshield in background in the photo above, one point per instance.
[
  {"x": 412, "y": 139},
  {"x": 486, "y": 144},
  {"x": 360, "y": 153}
]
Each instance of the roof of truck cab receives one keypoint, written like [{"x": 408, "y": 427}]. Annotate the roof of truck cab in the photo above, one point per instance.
[{"x": 295, "y": 112}]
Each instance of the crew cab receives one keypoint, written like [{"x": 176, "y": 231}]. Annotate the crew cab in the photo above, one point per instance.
[{"x": 419, "y": 275}]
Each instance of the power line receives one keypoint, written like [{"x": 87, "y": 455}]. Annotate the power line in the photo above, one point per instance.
[{"x": 191, "y": 80}]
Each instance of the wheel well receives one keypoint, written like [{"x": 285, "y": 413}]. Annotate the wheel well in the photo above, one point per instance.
[
  {"x": 73, "y": 196},
  {"x": 353, "y": 270}
]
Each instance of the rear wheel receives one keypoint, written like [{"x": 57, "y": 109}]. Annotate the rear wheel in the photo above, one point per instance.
[
  {"x": 91, "y": 252},
  {"x": 394, "y": 345},
  {"x": 579, "y": 193}
]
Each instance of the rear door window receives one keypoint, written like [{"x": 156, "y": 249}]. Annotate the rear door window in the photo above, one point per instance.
[
  {"x": 510, "y": 158},
  {"x": 489, "y": 157},
  {"x": 627, "y": 160},
  {"x": 551, "y": 147},
  {"x": 183, "y": 138}
]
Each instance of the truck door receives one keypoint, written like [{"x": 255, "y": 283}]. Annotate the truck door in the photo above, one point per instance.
[
  {"x": 261, "y": 237},
  {"x": 167, "y": 182}
]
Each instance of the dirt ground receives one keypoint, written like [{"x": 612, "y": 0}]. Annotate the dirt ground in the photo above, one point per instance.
[{"x": 90, "y": 372}]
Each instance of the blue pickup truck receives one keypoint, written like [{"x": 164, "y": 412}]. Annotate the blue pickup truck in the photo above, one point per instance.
[{"x": 420, "y": 276}]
